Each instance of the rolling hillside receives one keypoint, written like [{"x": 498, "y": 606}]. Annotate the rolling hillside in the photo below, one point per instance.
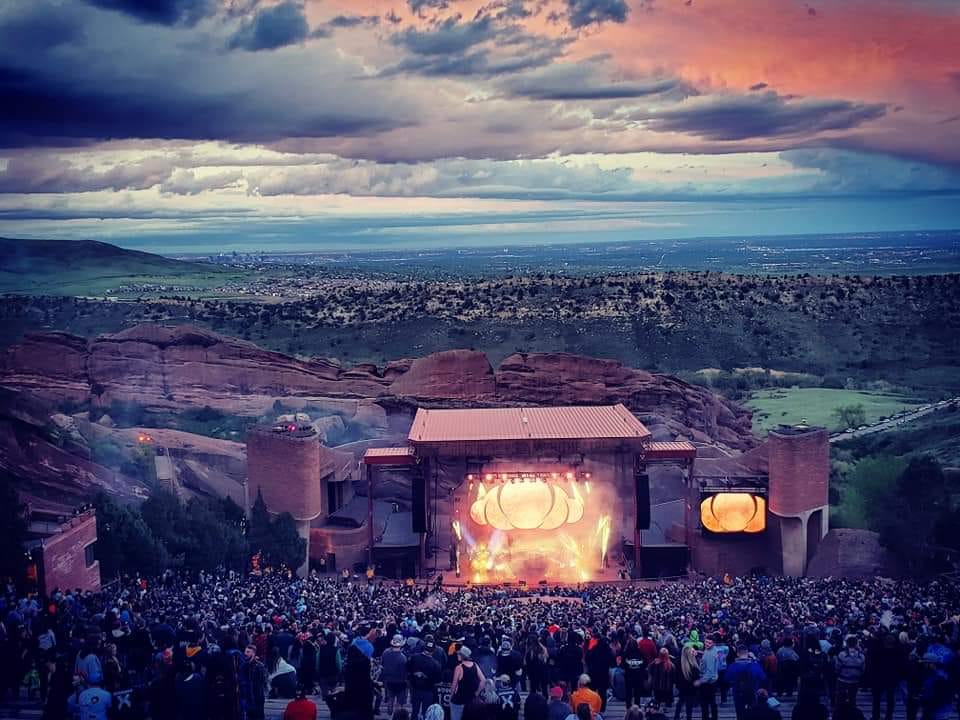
[{"x": 88, "y": 267}]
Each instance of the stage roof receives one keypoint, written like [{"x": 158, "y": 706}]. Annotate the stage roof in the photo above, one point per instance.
[{"x": 593, "y": 422}]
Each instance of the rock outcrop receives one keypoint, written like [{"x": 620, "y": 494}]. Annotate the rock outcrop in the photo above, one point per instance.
[
  {"x": 167, "y": 369},
  {"x": 850, "y": 553}
]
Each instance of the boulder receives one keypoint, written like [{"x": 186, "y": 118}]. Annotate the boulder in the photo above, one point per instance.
[
  {"x": 464, "y": 375},
  {"x": 851, "y": 553}
]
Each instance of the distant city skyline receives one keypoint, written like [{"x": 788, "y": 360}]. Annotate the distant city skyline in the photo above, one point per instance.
[{"x": 368, "y": 124}]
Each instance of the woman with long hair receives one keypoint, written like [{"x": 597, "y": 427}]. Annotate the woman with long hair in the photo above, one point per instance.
[
  {"x": 535, "y": 665},
  {"x": 686, "y": 681},
  {"x": 663, "y": 678}
]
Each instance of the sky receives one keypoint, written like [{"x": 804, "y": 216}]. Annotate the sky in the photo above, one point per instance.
[{"x": 355, "y": 124}]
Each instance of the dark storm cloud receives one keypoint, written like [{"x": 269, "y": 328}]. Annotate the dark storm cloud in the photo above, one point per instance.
[
  {"x": 585, "y": 80},
  {"x": 349, "y": 21},
  {"x": 481, "y": 46},
  {"x": 42, "y": 109},
  {"x": 37, "y": 30},
  {"x": 418, "y": 6},
  {"x": 164, "y": 12},
  {"x": 111, "y": 78},
  {"x": 581, "y": 13},
  {"x": 758, "y": 115},
  {"x": 448, "y": 37},
  {"x": 273, "y": 27}
]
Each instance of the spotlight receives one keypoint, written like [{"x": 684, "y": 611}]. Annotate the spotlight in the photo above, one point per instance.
[
  {"x": 489, "y": 477},
  {"x": 569, "y": 476},
  {"x": 470, "y": 477}
]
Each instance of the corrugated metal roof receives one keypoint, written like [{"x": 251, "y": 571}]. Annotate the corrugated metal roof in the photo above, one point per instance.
[
  {"x": 530, "y": 423},
  {"x": 389, "y": 456},
  {"x": 665, "y": 450}
]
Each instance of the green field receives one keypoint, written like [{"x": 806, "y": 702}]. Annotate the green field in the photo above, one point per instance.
[{"x": 815, "y": 406}]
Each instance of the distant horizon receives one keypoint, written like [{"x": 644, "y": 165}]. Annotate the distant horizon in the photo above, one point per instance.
[{"x": 205, "y": 245}]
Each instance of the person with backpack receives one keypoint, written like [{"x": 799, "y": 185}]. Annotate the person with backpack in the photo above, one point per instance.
[
  {"x": 849, "y": 665},
  {"x": 745, "y": 677}
]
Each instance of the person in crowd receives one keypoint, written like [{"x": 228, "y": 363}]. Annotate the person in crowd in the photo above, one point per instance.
[
  {"x": 635, "y": 674},
  {"x": 393, "y": 674},
  {"x": 94, "y": 702},
  {"x": 788, "y": 668},
  {"x": 570, "y": 659},
  {"x": 535, "y": 707},
  {"x": 886, "y": 669},
  {"x": 536, "y": 667},
  {"x": 558, "y": 708},
  {"x": 586, "y": 695},
  {"x": 509, "y": 662},
  {"x": 466, "y": 684},
  {"x": 191, "y": 693},
  {"x": 663, "y": 678},
  {"x": 600, "y": 660},
  {"x": 424, "y": 675},
  {"x": 254, "y": 681},
  {"x": 301, "y": 707},
  {"x": 849, "y": 665},
  {"x": 688, "y": 682},
  {"x": 282, "y": 676},
  {"x": 485, "y": 657},
  {"x": 745, "y": 677},
  {"x": 710, "y": 666}
]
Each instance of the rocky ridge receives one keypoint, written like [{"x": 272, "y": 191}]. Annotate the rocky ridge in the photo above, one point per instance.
[{"x": 170, "y": 369}]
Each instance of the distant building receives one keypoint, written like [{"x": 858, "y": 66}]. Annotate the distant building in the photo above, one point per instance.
[{"x": 62, "y": 551}]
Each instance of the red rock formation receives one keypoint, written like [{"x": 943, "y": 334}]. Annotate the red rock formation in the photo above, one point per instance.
[
  {"x": 452, "y": 375},
  {"x": 170, "y": 369}
]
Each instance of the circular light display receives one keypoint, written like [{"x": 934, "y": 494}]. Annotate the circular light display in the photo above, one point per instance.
[
  {"x": 525, "y": 506},
  {"x": 734, "y": 512}
]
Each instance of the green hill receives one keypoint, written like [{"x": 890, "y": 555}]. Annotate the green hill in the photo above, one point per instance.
[{"x": 88, "y": 267}]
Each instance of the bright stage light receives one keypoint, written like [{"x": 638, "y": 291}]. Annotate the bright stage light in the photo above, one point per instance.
[{"x": 734, "y": 512}]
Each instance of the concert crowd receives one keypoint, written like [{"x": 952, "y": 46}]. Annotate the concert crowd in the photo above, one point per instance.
[{"x": 217, "y": 646}]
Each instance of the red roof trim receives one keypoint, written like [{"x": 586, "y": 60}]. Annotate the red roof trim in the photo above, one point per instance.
[
  {"x": 389, "y": 456},
  {"x": 670, "y": 451}
]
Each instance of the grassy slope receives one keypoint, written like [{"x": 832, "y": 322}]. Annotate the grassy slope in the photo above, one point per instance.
[
  {"x": 816, "y": 406},
  {"x": 87, "y": 267}
]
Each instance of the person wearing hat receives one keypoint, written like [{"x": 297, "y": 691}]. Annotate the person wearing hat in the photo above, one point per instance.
[
  {"x": 509, "y": 662},
  {"x": 94, "y": 702},
  {"x": 558, "y": 708},
  {"x": 467, "y": 681},
  {"x": 424, "y": 674},
  {"x": 393, "y": 674}
]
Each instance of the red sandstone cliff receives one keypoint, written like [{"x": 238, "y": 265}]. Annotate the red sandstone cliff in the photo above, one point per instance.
[{"x": 170, "y": 369}]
